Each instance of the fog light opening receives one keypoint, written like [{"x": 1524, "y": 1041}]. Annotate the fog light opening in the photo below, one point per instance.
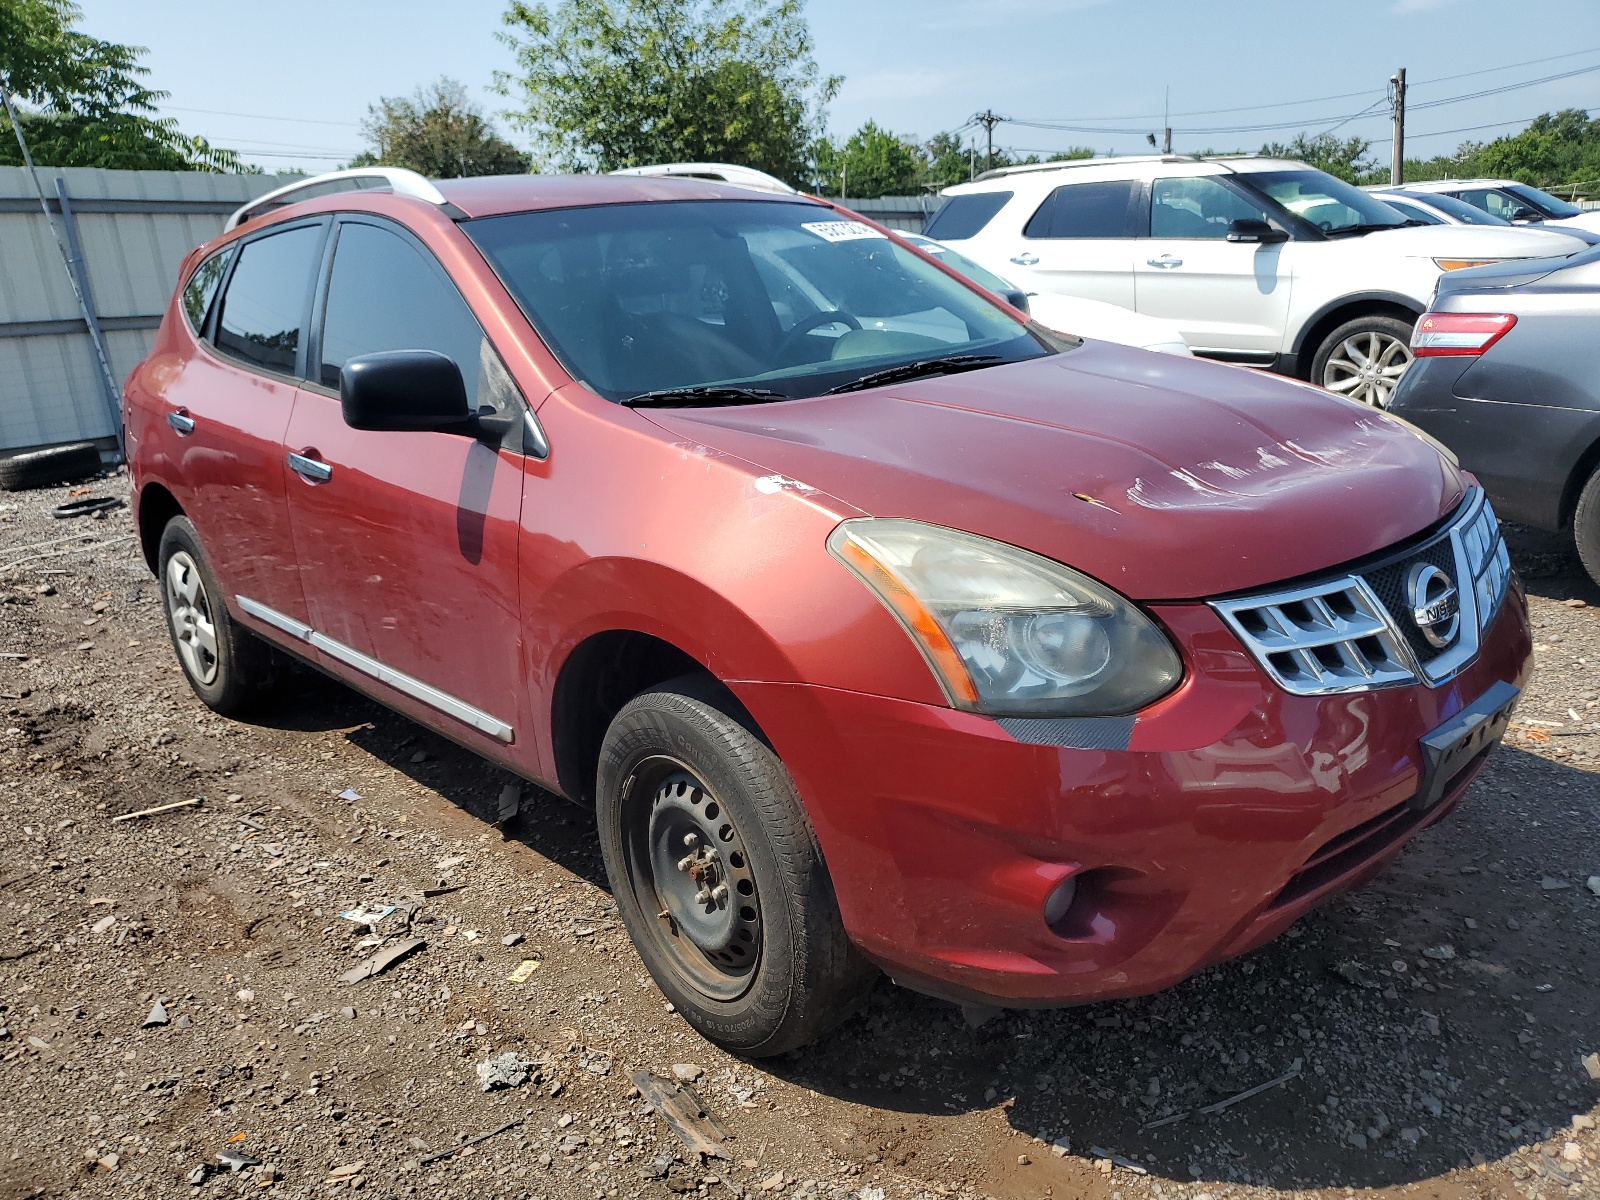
[{"x": 1059, "y": 902}]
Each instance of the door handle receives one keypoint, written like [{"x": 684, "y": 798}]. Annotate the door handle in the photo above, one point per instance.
[
  {"x": 1166, "y": 262},
  {"x": 1025, "y": 259},
  {"x": 312, "y": 470},
  {"x": 182, "y": 422}
]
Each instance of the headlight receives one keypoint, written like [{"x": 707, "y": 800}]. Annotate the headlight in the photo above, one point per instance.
[{"x": 1007, "y": 632}]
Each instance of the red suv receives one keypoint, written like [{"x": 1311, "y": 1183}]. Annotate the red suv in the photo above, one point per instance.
[{"x": 878, "y": 625}]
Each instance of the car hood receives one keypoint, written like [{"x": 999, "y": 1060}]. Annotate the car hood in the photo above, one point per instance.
[
  {"x": 1461, "y": 241},
  {"x": 1165, "y": 477}
]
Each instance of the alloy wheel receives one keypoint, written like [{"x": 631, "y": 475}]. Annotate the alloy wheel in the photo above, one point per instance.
[
  {"x": 689, "y": 867},
  {"x": 189, "y": 610},
  {"x": 1366, "y": 366}
]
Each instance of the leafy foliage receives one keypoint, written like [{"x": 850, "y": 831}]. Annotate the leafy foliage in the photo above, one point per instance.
[
  {"x": 438, "y": 132},
  {"x": 82, "y": 101},
  {"x": 874, "y": 162},
  {"x": 605, "y": 84},
  {"x": 1557, "y": 150},
  {"x": 1346, "y": 158}
]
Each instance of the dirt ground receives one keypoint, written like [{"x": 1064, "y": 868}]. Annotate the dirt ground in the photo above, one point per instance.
[{"x": 1431, "y": 1027}]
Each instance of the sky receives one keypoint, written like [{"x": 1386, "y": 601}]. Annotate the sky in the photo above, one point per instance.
[{"x": 288, "y": 83}]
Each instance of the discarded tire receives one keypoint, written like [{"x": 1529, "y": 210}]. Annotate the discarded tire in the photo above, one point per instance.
[{"x": 41, "y": 468}]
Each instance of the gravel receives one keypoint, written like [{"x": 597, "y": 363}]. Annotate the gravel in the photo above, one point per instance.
[{"x": 1440, "y": 1018}]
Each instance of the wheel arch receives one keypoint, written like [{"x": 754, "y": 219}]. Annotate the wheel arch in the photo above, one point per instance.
[
  {"x": 601, "y": 674},
  {"x": 1347, "y": 308},
  {"x": 156, "y": 507},
  {"x": 1588, "y": 462}
]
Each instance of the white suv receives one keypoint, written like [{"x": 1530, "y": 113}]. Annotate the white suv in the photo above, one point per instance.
[{"x": 1257, "y": 260}]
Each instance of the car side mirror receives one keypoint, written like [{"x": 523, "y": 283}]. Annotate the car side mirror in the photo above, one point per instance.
[
  {"x": 412, "y": 391},
  {"x": 1251, "y": 229},
  {"x": 1526, "y": 214}
]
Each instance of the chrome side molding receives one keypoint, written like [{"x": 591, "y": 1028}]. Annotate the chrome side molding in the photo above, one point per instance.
[{"x": 382, "y": 672}]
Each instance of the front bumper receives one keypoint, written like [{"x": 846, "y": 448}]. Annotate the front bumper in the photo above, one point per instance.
[{"x": 1234, "y": 809}]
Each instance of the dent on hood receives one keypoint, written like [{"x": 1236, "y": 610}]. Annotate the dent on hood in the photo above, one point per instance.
[{"x": 1219, "y": 484}]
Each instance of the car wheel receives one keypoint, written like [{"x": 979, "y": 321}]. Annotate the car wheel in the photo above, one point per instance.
[
  {"x": 1364, "y": 359},
  {"x": 718, "y": 878},
  {"x": 228, "y": 667},
  {"x": 1586, "y": 526}
]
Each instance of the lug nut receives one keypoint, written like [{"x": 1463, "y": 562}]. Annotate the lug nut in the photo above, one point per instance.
[
  {"x": 691, "y": 840},
  {"x": 686, "y": 862},
  {"x": 703, "y": 896},
  {"x": 720, "y": 892}
]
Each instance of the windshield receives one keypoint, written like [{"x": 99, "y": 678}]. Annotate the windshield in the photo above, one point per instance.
[
  {"x": 1330, "y": 204},
  {"x": 786, "y": 299},
  {"x": 1543, "y": 201},
  {"x": 1466, "y": 213}
]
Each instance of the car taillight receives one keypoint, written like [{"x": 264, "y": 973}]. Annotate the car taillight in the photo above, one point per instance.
[{"x": 1440, "y": 334}]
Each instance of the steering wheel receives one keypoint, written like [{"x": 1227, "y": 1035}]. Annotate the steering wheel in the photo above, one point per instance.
[{"x": 826, "y": 316}]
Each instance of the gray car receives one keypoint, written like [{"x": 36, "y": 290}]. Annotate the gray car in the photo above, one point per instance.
[{"x": 1507, "y": 375}]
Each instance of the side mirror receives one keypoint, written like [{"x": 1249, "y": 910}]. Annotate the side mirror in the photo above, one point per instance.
[
  {"x": 412, "y": 391},
  {"x": 1525, "y": 214},
  {"x": 1015, "y": 297},
  {"x": 1250, "y": 229}
]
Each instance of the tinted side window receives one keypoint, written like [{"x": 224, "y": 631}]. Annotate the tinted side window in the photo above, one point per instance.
[
  {"x": 1197, "y": 208},
  {"x": 202, "y": 286},
  {"x": 963, "y": 216},
  {"x": 1479, "y": 198},
  {"x": 1085, "y": 210},
  {"x": 265, "y": 303},
  {"x": 386, "y": 295}
]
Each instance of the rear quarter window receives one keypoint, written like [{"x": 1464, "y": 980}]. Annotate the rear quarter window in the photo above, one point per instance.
[
  {"x": 202, "y": 288},
  {"x": 964, "y": 216}
]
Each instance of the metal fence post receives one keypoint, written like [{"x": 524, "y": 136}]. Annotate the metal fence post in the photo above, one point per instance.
[{"x": 108, "y": 382}]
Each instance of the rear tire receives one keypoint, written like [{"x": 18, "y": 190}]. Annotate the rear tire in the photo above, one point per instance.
[
  {"x": 718, "y": 878},
  {"x": 1363, "y": 359},
  {"x": 41, "y": 468},
  {"x": 228, "y": 667},
  {"x": 1586, "y": 526}
]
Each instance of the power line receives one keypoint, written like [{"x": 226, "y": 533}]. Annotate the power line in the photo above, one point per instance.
[{"x": 213, "y": 112}]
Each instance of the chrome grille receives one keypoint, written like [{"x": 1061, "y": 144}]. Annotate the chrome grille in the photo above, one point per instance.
[
  {"x": 1352, "y": 632},
  {"x": 1329, "y": 637}
]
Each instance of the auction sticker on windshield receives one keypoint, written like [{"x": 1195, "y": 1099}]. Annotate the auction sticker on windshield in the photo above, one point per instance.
[{"x": 841, "y": 231}]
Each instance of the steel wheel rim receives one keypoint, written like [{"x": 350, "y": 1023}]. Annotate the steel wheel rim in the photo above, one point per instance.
[
  {"x": 699, "y": 898},
  {"x": 189, "y": 611},
  {"x": 1365, "y": 367}
]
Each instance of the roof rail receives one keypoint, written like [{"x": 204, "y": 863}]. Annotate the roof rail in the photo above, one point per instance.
[
  {"x": 1062, "y": 164},
  {"x": 400, "y": 181}
]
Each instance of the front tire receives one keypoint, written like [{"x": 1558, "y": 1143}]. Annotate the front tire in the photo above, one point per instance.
[
  {"x": 228, "y": 667},
  {"x": 1586, "y": 526},
  {"x": 718, "y": 878},
  {"x": 1364, "y": 359}
]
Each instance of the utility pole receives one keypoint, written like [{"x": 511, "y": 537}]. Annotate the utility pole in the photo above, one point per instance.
[
  {"x": 988, "y": 118},
  {"x": 1397, "y": 106},
  {"x": 1166, "y": 122}
]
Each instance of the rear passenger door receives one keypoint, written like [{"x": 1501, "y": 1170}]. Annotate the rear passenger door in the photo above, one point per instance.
[
  {"x": 229, "y": 405},
  {"x": 1080, "y": 242},
  {"x": 407, "y": 541}
]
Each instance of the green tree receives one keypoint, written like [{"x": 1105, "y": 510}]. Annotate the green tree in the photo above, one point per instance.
[
  {"x": 872, "y": 163},
  {"x": 1348, "y": 159},
  {"x": 1558, "y": 150},
  {"x": 82, "y": 100},
  {"x": 604, "y": 84},
  {"x": 439, "y": 132}
]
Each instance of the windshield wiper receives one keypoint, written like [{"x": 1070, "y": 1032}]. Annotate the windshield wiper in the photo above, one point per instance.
[
  {"x": 703, "y": 397},
  {"x": 1367, "y": 228},
  {"x": 948, "y": 365}
]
